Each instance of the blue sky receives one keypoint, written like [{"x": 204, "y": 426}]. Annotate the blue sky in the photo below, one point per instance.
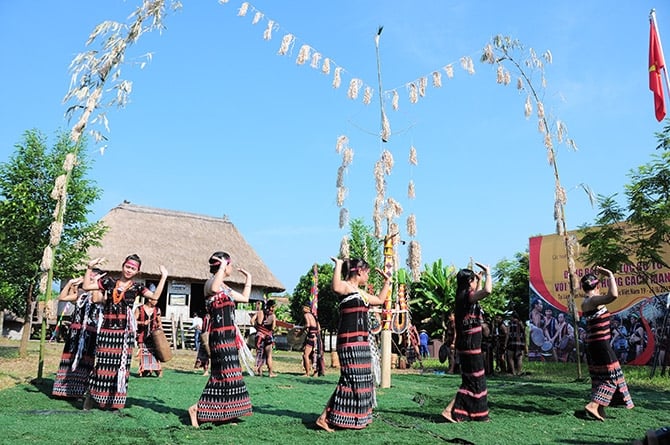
[{"x": 219, "y": 124}]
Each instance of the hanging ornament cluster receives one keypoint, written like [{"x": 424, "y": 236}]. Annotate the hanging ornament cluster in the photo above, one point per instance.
[{"x": 415, "y": 89}]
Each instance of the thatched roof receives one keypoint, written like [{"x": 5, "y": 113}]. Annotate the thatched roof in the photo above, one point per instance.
[{"x": 182, "y": 242}]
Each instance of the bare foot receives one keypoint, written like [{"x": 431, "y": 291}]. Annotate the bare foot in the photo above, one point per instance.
[
  {"x": 322, "y": 423},
  {"x": 447, "y": 415},
  {"x": 193, "y": 414},
  {"x": 273, "y": 375},
  {"x": 593, "y": 410}
]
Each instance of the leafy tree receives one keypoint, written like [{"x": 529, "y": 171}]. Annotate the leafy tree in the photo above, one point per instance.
[
  {"x": 511, "y": 283},
  {"x": 26, "y": 217},
  {"x": 363, "y": 244},
  {"x": 639, "y": 231},
  {"x": 432, "y": 297},
  {"x": 328, "y": 304}
]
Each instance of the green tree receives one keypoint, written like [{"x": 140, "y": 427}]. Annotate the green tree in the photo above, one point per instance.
[
  {"x": 26, "y": 218},
  {"x": 639, "y": 230},
  {"x": 363, "y": 244},
  {"x": 327, "y": 304},
  {"x": 511, "y": 283},
  {"x": 432, "y": 297}
]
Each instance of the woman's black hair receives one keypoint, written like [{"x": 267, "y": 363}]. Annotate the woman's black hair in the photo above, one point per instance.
[
  {"x": 589, "y": 282},
  {"x": 463, "y": 280},
  {"x": 216, "y": 259},
  {"x": 133, "y": 257},
  {"x": 352, "y": 266}
]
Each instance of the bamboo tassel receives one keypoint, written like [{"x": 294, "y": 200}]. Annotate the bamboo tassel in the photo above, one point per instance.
[
  {"x": 316, "y": 59},
  {"x": 394, "y": 101},
  {"x": 354, "y": 87},
  {"x": 413, "y": 94},
  {"x": 286, "y": 44},
  {"x": 325, "y": 68},
  {"x": 386, "y": 127},
  {"x": 344, "y": 247},
  {"x": 303, "y": 55},
  {"x": 337, "y": 77},
  {"x": 412, "y": 156},
  {"x": 342, "y": 141},
  {"x": 257, "y": 18},
  {"x": 411, "y": 225},
  {"x": 344, "y": 217},
  {"x": 437, "y": 79},
  {"x": 243, "y": 9},
  {"x": 367, "y": 95},
  {"x": 267, "y": 34}
]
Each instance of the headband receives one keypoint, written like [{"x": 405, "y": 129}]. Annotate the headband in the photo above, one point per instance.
[{"x": 133, "y": 263}]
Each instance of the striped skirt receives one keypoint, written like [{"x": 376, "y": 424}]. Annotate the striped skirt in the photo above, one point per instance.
[
  {"x": 608, "y": 386},
  {"x": 109, "y": 380},
  {"x": 69, "y": 382},
  {"x": 351, "y": 404},
  {"x": 225, "y": 396},
  {"x": 471, "y": 399}
]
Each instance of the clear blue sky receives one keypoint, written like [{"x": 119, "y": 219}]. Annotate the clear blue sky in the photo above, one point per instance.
[{"x": 220, "y": 124}]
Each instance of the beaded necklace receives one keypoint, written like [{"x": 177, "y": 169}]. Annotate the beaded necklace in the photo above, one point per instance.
[{"x": 120, "y": 291}]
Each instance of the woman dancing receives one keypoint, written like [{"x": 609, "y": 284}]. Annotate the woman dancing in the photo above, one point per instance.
[
  {"x": 470, "y": 402},
  {"x": 225, "y": 397},
  {"x": 351, "y": 404},
  {"x": 607, "y": 381},
  {"x": 148, "y": 317},
  {"x": 79, "y": 350},
  {"x": 108, "y": 384}
]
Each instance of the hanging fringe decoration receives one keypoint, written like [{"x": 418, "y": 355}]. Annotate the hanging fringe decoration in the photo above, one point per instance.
[
  {"x": 342, "y": 141},
  {"x": 377, "y": 216},
  {"x": 47, "y": 258},
  {"x": 337, "y": 77},
  {"x": 344, "y": 247},
  {"x": 55, "y": 233},
  {"x": 316, "y": 59},
  {"x": 467, "y": 64},
  {"x": 340, "y": 176},
  {"x": 367, "y": 95},
  {"x": 414, "y": 259},
  {"x": 411, "y": 225},
  {"x": 387, "y": 160},
  {"x": 68, "y": 164},
  {"x": 347, "y": 156},
  {"x": 410, "y": 190},
  {"x": 528, "y": 107},
  {"x": 354, "y": 87},
  {"x": 423, "y": 82},
  {"x": 344, "y": 217},
  {"x": 267, "y": 34},
  {"x": 449, "y": 70},
  {"x": 257, "y": 18},
  {"x": 341, "y": 194},
  {"x": 303, "y": 55},
  {"x": 223, "y": 2},
  {"x": 243, "y": 9},
  {"x": 437, "y": 79},
  {"x": 413, "y": 93},
  {"x": 412, "y": 155},
  {"x": 286, "y": 44},
  {"x": 325, "y": 68},
  {"x": 386, "y": 127},
  {"x": 394, "y": 101}
]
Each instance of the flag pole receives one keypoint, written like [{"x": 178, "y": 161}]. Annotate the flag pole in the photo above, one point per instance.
[{"x": 652, "y": 17}]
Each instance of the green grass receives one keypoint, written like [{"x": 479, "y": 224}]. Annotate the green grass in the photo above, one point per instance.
[{"x": 543, "y": 407}]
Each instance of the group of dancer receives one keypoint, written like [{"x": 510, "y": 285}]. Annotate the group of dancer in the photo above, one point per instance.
[{"x": 96, "y": 362}]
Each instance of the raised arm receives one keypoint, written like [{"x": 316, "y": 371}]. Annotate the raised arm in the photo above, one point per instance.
[
  {"x": 69, "y": 291},
  {"x": 159, "y": 288},
  {"x": 379, "y": 299},
  {"x": 243, "y": 297},
  {"x": 488, "y": 283},
  {"x": 339, "y": 286}
]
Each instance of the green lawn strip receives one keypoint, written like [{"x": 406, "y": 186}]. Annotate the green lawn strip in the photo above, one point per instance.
[{"x": 534, "y": 409}]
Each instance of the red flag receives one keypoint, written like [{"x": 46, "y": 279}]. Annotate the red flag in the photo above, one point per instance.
[{"x": 656, "y": 63}]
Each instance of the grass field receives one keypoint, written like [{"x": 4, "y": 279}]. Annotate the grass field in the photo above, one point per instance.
[{"x": 543, "y": 407}]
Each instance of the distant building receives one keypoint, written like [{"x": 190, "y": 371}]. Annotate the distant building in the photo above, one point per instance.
[{"x": 183, "y": 243}]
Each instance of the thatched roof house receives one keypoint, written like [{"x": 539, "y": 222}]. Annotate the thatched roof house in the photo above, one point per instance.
[{"x": 183, "y": 243}]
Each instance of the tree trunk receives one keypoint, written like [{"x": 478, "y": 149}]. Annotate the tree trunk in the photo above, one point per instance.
[{"x": 27, "y": 323}]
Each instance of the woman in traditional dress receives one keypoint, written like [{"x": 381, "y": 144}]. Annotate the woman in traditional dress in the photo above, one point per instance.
[
  {"x": 470, "y": 402},
  {"x": 108, "y": 384},
  {"x": 225, "y": 397},
  {"x": 202, "y": 359},
  {"x": 516, "y": 345},
  {"x": 265, "y": 323},
  {"x": 607, "y": 381},
  {"x": 351, "y": 404},
  {"x": 79, "y": 350},
  {"x": 148, "y": 317}
]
